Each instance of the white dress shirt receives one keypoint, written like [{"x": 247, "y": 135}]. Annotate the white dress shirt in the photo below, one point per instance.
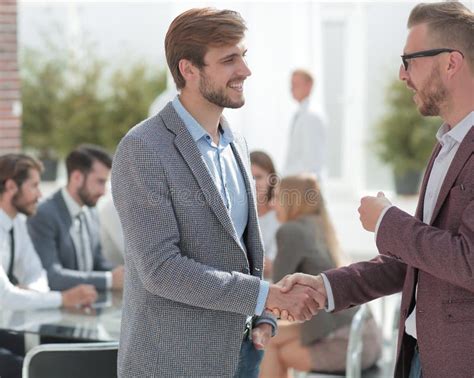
[
  {"x": 27, "y": 269},
  {"x": 306, "y": 143},
  {"x": 450, "y": 139}
]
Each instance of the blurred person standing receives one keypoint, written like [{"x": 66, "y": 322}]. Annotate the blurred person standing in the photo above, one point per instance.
[
  {"x": 264, "y": 174},
  {"x": 23, "y": 281},
  {"x": 65, "y": 230},
  {"x": 307, "y": 140}
]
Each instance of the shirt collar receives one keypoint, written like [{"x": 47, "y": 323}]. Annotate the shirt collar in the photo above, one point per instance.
[
  {"x": 304, "y": 105},
  {"x": 5, "y": 221},
  {"x": 196, "y": 130},
  {"x": 71, "y": 204},
  {"x": 456, "y": 133}
]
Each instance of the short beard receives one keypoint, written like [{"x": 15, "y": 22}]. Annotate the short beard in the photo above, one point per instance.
[
  {"x": 433, "y": 95},
  {"x": 27, "y": 209},
  {"x": 215, "y": 96},
  {"x": 85, "y": 196}
]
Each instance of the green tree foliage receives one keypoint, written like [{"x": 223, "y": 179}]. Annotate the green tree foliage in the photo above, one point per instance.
[
  {"x": 66, "y": 102},
  {"x": 404, "y": 139},
  {"x": 133, "y": 91}
]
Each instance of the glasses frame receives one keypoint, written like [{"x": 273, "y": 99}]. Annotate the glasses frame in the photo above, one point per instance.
[{"x": 425, "y": 53}]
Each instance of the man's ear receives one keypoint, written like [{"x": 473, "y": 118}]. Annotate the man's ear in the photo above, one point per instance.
[
  {"x": 455, "y": 63},
  {"x": 11, "y": 187},
  {"x": 188, "y": 70},
  {"x": 76, "y": 178}
]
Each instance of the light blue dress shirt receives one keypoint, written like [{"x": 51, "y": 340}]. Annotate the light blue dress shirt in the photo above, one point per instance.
[{"x": 227, "y": 176}]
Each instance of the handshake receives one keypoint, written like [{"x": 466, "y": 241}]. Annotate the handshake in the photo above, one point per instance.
[{"x": 297, "y": 297}]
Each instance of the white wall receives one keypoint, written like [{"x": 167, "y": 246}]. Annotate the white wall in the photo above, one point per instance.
[{"x": 282, "y": 35}]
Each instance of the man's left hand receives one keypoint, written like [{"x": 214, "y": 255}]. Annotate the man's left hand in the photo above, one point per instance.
[
  {"x": 261, "y": 335},
  {"x": 370, "y": 210}
]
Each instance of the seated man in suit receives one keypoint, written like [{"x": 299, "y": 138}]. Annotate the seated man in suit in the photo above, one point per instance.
[
  {"x": 65, "y": 231},
  {"x": 23, "y": 281}
]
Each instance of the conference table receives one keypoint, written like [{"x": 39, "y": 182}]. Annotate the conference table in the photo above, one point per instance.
[{"x": 101, "y": 322}]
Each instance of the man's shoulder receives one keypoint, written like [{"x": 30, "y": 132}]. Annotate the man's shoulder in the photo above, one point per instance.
[
  {"x": 153, "y": 130},
  {"x": 48, "y": 209}
]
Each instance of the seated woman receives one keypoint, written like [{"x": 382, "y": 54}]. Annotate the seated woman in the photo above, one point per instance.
[
  {"x": 306, "y": 243},
  {"x": 265, "y": 177}
]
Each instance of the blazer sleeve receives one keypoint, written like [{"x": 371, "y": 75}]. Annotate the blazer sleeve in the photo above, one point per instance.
[
  {"x": 444, "y": 254},
  {"x": 44, "y": 233},
  {"x": 152, "y": 237},
  {"x": 364, "y": 281}
]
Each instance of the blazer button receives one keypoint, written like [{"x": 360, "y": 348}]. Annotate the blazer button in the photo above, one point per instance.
[{"x": 245, "y": 270}]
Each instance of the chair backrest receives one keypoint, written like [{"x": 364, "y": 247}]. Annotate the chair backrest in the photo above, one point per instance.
[
  {"x": 354, "y": 348},
  {"x": 92, "y": 360}
]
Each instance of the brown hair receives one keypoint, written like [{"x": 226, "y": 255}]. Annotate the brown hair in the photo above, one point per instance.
[
  {"x": 300, "y": 195},
  {"x": 194, "y": 31},
  {"x": 82, "y": 158},
  {"x": 450, "y": 24},
  {"x": 305, "y": 74},
  {"x": 264, "y": 161},
  {"x": 17, "y": 167}
]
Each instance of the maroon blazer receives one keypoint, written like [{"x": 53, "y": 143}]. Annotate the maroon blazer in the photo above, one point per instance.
[{"x": 440, "y": 258}]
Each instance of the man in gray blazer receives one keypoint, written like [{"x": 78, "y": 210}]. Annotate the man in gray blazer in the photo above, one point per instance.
[
  {"x": 182, "y": 185},
  {"x": 65, "y": 230}
]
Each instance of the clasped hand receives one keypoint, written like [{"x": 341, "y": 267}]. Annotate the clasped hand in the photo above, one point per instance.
[{"x": 297, "y": 297}]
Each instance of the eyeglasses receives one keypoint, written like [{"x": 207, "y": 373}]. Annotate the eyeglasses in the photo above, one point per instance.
[{"x": 421, "y": 54}]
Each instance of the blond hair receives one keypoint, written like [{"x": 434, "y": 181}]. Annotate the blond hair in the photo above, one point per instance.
[
  {"x": 450, "y": 24},
  {"x": 300, "y": 196},
  {"x": 305, "y": 74}
]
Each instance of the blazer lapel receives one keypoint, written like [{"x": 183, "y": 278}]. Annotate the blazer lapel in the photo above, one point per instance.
[
  {"x": 190, "y": 153},
  {"x": 464, "y": 152},
  {"x": 68, "y": 224}
]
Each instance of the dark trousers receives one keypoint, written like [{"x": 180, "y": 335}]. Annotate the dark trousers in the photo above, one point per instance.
[{"x": 12, "y": 351}]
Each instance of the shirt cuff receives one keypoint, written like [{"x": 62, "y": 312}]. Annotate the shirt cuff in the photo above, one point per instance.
[
  {"x": 54, "y": 298},
  {"x": 108, "y": 280},
  {"x": 262, "y": 297},
  {"x": 377, "y": 225},
  {"x": 330, "y": 305}
]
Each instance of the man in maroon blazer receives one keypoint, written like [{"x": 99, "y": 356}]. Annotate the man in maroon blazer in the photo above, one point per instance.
[{"x": 429, "y": 257}]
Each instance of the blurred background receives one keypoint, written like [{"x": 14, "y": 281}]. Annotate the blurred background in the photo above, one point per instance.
[{"x": 87, "y": 71}]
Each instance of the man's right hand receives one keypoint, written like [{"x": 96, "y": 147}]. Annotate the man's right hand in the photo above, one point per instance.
[
  {"x": 117, "y": 278},
  {"x": 81, "y": 295},
  {"x": 301, "y": 302}
]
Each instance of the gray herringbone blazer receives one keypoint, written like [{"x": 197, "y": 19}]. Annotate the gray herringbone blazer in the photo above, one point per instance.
[{"x": 188, "y": 284}]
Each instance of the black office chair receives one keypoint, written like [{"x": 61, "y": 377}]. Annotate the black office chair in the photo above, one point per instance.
[{"x": 92, "y": 360}]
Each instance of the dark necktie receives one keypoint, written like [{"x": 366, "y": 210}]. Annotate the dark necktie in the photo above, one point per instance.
[{"x": 11, "y": 277}]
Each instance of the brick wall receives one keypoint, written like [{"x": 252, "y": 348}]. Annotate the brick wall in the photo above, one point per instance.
[{"x": 10, "y": 117}]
